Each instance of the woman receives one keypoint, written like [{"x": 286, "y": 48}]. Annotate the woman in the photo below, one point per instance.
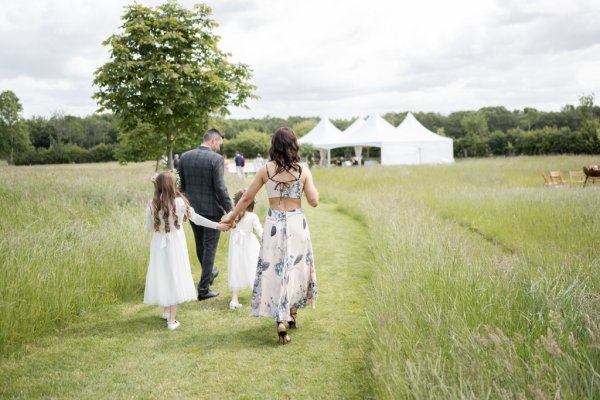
[{"x": 285, "y": 276}]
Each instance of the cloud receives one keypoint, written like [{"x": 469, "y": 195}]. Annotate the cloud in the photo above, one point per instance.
[{"x": 342, "y": 59}]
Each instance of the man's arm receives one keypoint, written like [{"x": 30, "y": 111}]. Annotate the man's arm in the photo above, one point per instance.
[
  {"x": 181, "y": 176},
  {"x": 220, "y": 188}
]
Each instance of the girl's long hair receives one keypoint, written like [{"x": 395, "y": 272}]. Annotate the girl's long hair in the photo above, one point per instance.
[
  {"x": 236, "y": 199},
  {"x": 165, "y": 193},
  {"x": 284, "y": 150}
]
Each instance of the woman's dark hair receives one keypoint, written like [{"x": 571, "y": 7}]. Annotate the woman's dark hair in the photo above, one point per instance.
[{"x": 284, "y": 150}]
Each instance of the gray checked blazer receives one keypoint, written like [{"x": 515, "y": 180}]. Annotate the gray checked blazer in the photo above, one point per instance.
[{"x": 201, "y": 178}]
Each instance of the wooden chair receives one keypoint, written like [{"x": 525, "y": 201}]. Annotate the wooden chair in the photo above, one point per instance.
[
  {"x": 547, "y": 180},
  {"x": 576, "y": 178},
  {"x": 557, "y": 178}
]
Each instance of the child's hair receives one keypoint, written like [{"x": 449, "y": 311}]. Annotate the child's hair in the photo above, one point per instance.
[
  {"x": 165, "y": 192},
  {"x": 236, "y": 199}
]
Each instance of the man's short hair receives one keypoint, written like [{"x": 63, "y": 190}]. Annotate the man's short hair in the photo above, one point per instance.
[{"x": 211, "y": 134}]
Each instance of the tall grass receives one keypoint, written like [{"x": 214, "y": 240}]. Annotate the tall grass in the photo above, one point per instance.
[
  {"x": 485, "y": 282},
  {"x": 70, "y": 241}
]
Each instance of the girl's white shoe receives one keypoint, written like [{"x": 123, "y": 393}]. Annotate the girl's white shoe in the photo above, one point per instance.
[
  {"x": 233, "y": 306},
  {"x": 173, "y": 325},
  {"x": 166, "y": 315}
]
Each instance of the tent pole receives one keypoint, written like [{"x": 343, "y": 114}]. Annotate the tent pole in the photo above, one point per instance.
[{"x": 328, "y": 157}]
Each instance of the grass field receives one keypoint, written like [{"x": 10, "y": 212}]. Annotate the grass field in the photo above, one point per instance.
[{"x": 463, "y": 281}]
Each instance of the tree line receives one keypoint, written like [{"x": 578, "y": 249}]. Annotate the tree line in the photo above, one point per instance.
[{"x": 489, "y": 131}]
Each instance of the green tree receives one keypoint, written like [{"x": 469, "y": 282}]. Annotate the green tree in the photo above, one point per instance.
[
  {"x": 475, "y": 123},
  {"x": 166, "y": 70},
  {"x": 249, "y": 143},
  {"x": 13, "y": 134},
  {"x": 303, "y": 127}
]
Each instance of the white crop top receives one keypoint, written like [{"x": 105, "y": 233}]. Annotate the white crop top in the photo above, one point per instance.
[{"x": 292, "y": 189}]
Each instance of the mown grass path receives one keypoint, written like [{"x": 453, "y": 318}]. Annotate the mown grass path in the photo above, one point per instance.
[{"x": 125, "y": 351}]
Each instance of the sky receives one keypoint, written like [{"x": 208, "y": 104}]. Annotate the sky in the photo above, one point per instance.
[{"x": 336, "y": 59}]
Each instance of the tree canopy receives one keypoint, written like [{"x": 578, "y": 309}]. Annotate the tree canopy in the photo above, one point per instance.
[
  {"x": 13, "y": 135},
  {"x": 166, "y": 72}
]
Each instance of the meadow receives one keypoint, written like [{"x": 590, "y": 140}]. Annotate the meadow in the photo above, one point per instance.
[{"x": 471, "y": 280}]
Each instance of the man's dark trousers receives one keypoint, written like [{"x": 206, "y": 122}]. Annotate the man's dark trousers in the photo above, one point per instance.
[{"x": 207, "y": 241}]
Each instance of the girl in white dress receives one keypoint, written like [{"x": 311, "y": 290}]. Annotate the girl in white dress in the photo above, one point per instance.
[
  {"x": 243, "y": 251},
  {"x": 169, "y": 279}
]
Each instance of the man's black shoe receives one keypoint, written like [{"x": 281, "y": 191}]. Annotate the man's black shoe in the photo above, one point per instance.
[
  {"x": 210, "y": 294},
  {"x": 215, "y": 273}
]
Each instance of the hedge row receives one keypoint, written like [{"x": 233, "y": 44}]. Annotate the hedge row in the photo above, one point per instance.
[{"x": 67, "y": 154}]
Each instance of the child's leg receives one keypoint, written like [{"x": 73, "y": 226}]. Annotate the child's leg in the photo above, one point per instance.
[
  {"x": 234, "y": 296},
  {"x": 172, "y": 312}
]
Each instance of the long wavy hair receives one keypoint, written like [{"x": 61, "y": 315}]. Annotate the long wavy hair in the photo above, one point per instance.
[
  {"x": 284, "y": 150},
  {"x": 236, "y": 199},
  {"x": 163, "y": 201}
]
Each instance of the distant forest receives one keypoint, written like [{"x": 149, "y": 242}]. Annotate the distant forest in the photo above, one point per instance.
[{"x": 489, "y": 131}]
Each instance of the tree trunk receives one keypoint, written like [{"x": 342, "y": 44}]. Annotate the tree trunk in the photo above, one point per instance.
[{"x": 169, "y": 152}]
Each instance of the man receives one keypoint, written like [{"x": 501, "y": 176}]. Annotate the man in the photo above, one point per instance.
[
  {"x": 239, "y": 164},
  {"x": 201, "y": 175}
]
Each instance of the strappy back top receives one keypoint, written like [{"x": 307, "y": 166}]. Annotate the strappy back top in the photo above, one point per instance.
[{"x": 292, "y": 189}]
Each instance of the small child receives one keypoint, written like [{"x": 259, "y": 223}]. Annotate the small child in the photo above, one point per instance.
[
  {"x": 169, "y": 279},
  {"x": 243, "y": 251}
]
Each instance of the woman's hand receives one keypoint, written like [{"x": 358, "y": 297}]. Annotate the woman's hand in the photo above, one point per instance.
[{"x": 229, "y": 220}]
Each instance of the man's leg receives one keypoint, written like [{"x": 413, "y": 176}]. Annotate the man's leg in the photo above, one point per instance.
[{"x": 207, "y": 239}]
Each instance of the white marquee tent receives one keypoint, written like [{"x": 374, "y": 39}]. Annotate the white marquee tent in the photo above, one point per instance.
[
  {"x": 324, "y": 136},
  {"x": 370, "y": 132},
  {"x": 409, "y": 143},
  {"x": 415, "y": 144}
]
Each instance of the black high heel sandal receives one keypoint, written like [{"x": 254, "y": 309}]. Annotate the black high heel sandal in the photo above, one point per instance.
[
  {"x": 283, "y": 336},
  {"x": 293, "y": 314}
]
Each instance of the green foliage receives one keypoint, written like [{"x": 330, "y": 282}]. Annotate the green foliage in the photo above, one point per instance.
[
  {"x": 166, "y": 71},
  {"x": 13, "y": 135},
  {"x": 303, "y": 127},
  {"x": 309, "y": 154},
  {"x": 475, "y": 124},
  {"x": 249, "y": 143},
  {"x": 140, "y": 144},
  {"x": 66, "y": 154}
]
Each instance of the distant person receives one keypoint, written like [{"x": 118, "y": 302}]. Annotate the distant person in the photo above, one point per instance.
[
  {"x": 176, "y": 161},
  {"x": 169, "y": 279},
  {"x": 239, "y": 164},
  {"x": 202, "y": 180},
  {"x": 286, "y": 277},
  {"x": 243, "y": 251},
  {"x": 259, "y": 161}
]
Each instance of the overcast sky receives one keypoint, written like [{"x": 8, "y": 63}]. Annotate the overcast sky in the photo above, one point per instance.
[{"x": 339, "y": 59}]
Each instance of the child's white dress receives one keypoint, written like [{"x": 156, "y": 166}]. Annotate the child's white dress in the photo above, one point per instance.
[
  {"x": 169, "y": 279},
  {"x": 243, "y": 252}
]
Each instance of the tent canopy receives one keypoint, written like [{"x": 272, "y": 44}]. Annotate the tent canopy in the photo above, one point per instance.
[
  {"x": 323, "y": 136},
  {"x": 411, "y": 130},
  {"x": 371, "y": 132}
]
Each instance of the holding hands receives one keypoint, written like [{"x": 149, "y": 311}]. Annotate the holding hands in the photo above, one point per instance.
[{"x": 223, "y": 227}]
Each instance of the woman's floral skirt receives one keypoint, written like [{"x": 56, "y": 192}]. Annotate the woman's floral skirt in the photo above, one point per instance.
[{"x": 285, "y": 276}]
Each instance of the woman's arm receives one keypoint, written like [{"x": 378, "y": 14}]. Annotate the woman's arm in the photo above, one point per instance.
[
  {"x": 310, "y": 191},
  {"x": 248, "y": 196}
]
